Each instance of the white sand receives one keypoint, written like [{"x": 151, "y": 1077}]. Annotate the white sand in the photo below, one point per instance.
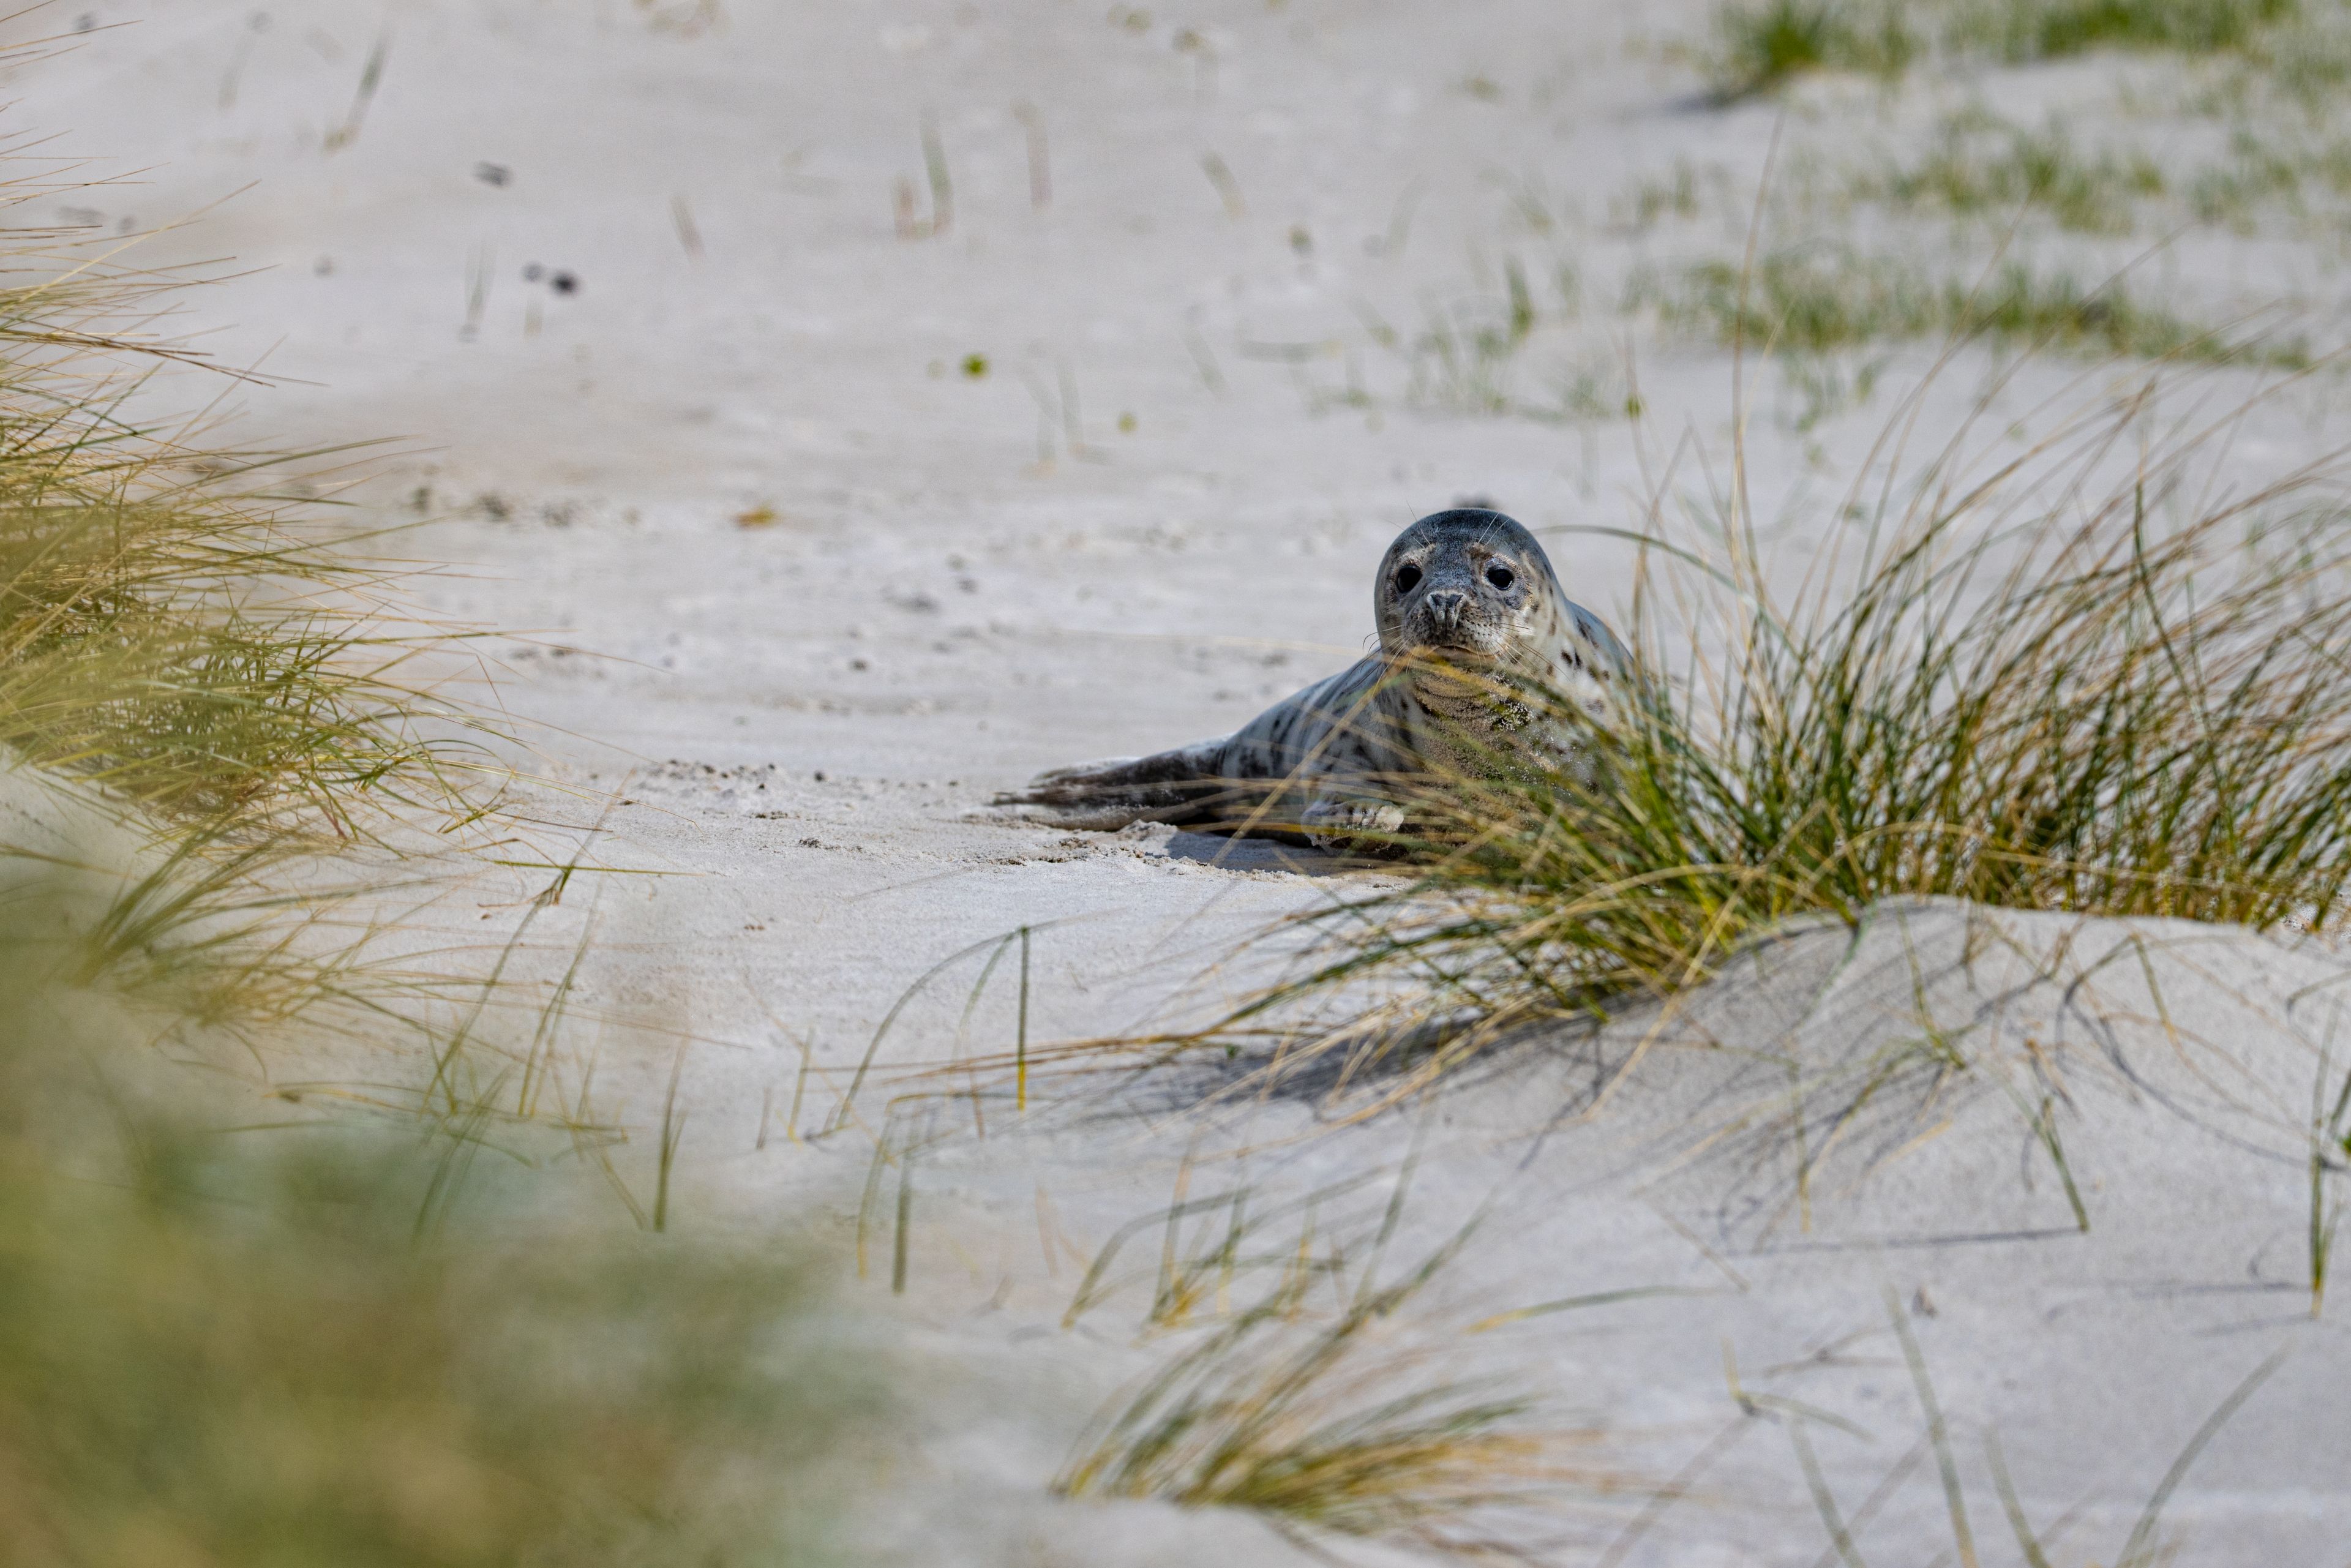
[{"x": 967, "y": 579}]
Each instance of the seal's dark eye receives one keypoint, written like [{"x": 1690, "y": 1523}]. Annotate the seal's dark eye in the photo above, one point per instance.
[
  {"x": 1499, "y": 575},
  {"x": 1407, "y": 577}
]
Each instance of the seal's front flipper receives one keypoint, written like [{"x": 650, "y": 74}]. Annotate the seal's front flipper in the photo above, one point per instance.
[
  {"x": 1354, "y": 824},
  {"x": 1186, "y": 785}
]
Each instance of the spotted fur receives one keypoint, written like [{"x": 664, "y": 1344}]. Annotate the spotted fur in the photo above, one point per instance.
[{"x": 1472, "y": 623}]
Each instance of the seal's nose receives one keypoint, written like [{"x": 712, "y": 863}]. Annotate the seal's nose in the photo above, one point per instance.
[{"x": 1445, "y": 607}]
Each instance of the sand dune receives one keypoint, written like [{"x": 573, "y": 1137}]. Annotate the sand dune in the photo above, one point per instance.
[{"x": 809, "y": 513}]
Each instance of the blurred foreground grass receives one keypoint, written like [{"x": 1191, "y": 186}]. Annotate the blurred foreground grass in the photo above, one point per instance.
[
  {"x": 320, "y": 1340},
  {"x": 247, "y": 1347}
]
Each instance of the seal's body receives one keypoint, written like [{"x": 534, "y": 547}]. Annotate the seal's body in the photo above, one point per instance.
[{"x": 1480, "y": 650}]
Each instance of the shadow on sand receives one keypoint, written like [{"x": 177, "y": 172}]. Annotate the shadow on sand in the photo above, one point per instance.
[{"x": 1258, "y": 854}]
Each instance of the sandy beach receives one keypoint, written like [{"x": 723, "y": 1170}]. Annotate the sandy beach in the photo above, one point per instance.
[{"x": 831, "y": 415}]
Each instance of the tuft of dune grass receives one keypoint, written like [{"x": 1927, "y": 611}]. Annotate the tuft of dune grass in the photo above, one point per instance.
[
  {"x": 2018, "y": 31},
  {"x": 184, "y": 1381},
  {"x": 2049, "y": 679},
  {"x": 203, "y": 684},
  {"x": 1758, "y": 45},
  {"x": 314, "y": 1343},
  {"x": 307, "y": 1325},
  {"x": 234, "y": 1330},
  {"x": 1996, "y": 169},
  {"x": 200, "y": 656},
  {"x": 1812, "y": 299},
  {"x": 1325, "y": 1425},
  {"x": 203, "y": 650}
]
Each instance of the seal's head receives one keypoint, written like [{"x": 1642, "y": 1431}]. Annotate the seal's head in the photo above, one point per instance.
[{"x": 1469, "y": 587}]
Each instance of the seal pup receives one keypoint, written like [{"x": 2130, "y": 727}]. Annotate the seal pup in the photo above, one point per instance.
[{"x": 1486, "y": 669}]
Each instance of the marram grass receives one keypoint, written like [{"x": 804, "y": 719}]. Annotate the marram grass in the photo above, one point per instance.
[
  {"x": 319, "y": 1338},
  {"x": 1761, "y": 44},
  {"x": 1330, "y": 1425},
  {"x": 1810, "y": 300},
  {"x": 244, "y": 1348},
  {"x": 211, "y": 666},
  {"x": 198, "y": 657},
  {"x": 1979, "y": 165},
  {"x": 2087, "y": 677},
  {"x": 199, "y": 648}
]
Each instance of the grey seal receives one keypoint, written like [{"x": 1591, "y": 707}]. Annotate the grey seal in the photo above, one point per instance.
[{"x": 1486, "y": 669}]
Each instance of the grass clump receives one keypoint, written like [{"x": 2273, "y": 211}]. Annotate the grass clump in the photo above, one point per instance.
[
  {"x": 2017, "y": 31},
  {"x": 1324, "y": 1429},
  {"x": 283, "y": 1347},
  {"x": 2044, "y": 170},
  {"x": 1641, "y": 204},
  {"x": 1757, "y": 48},
  {"x": 201, "y": 686},
  {"x": 186, "y": 1383},
  {"x": 1808, "y": 301},
  {"x": 2304, "y": 65},
  {"x": 319, "y": 1340},
  {"x": 1464, "y": 358},
  {"x": 1761, "y": 44},
  {"x": 2043, "y": 687},
  {"x": 199, "y": 647},
  {"x": 2260, "y": 175},
  {"x": 199, "y": 657}
]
